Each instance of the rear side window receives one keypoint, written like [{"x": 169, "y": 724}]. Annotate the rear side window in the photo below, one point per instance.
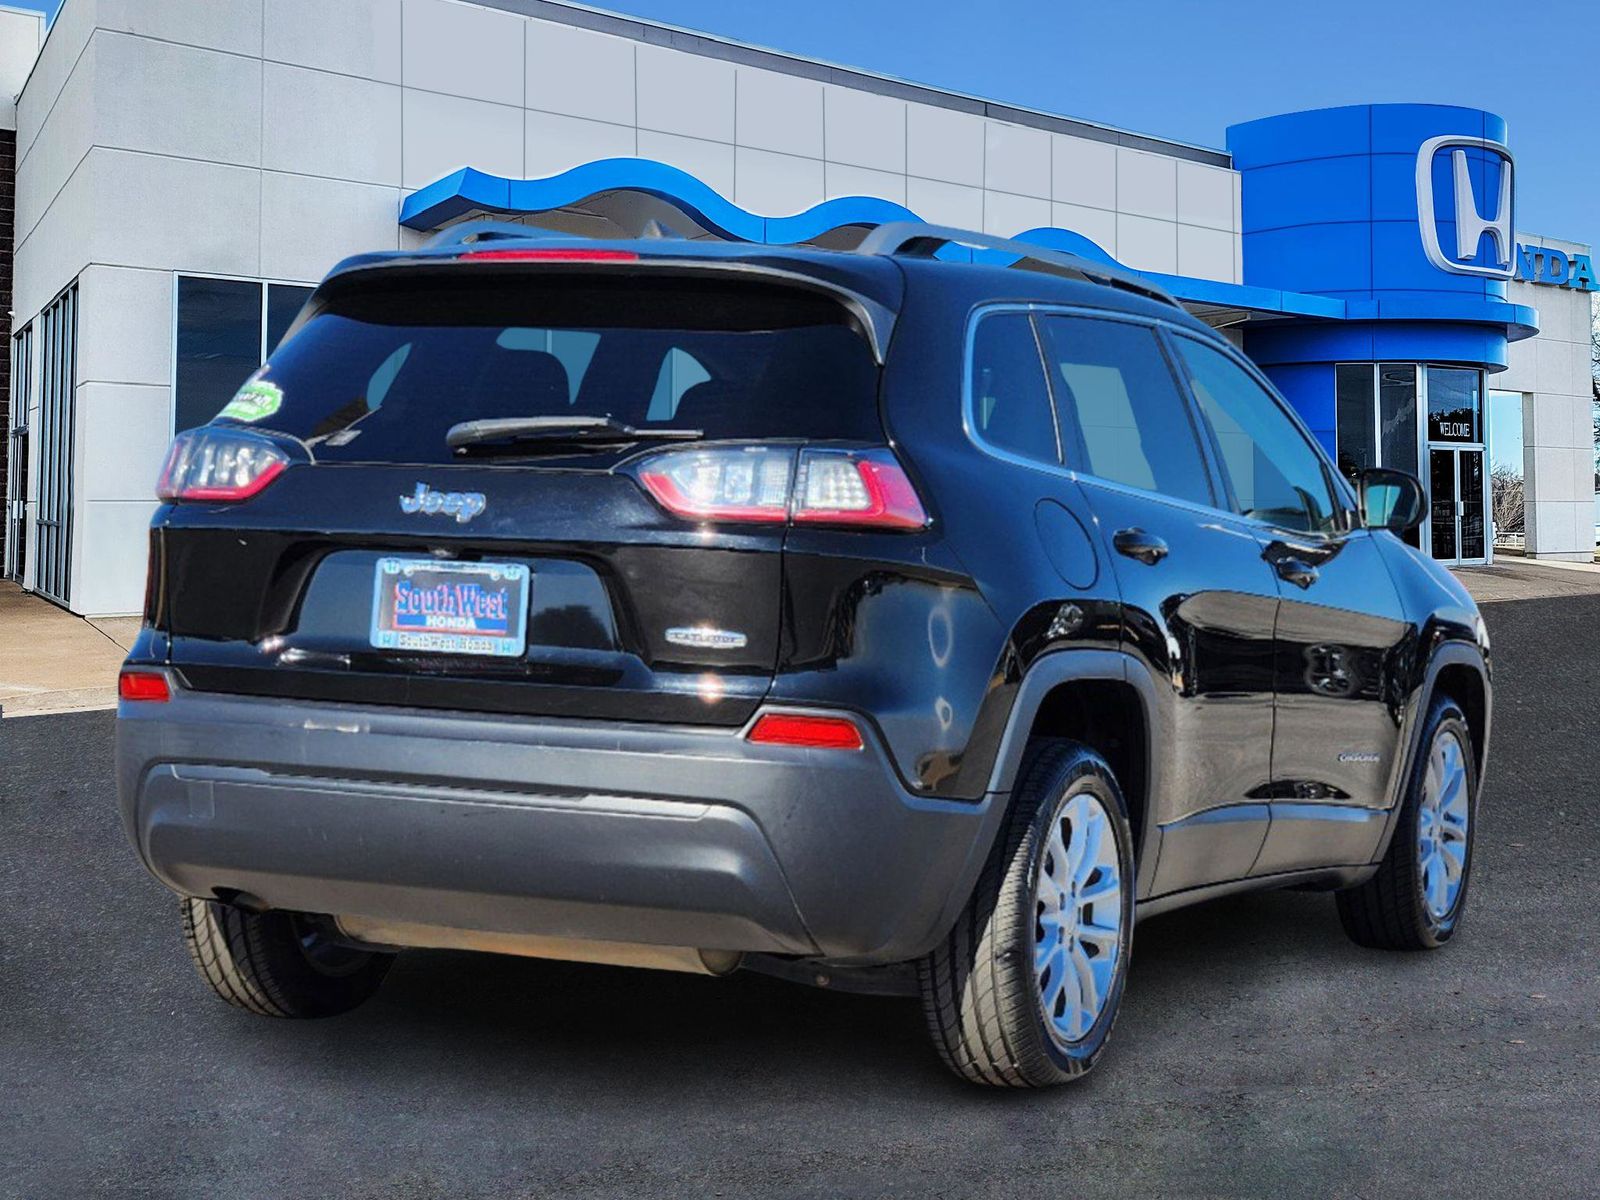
[
  {"x": 384, "y": 368},
  {"x": 1122, "y": 416},
  {"x": 1274, "y": 473},
  {"x": 1010, "y": 399}
]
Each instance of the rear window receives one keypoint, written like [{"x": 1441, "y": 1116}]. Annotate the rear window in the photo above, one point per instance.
[{"x": 383, "y": 369}]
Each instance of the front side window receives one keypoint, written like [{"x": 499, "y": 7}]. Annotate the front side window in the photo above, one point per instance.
[
  {"x": 1275, "y": 474},
  {"x": 1122, "y": 416},
  {"x": 1010, "y": 399}
]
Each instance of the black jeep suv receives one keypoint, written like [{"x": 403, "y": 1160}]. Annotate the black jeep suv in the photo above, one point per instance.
[{"x": 868, "y": 617}]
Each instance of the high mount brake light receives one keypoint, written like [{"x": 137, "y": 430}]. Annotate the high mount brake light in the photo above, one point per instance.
[
  {"x": 552, "y": 255},
  {"x": 143, "y": 685},
  {"x": 798, "y": 729},
  {"x": 220, "y": 464},
  {"x": 858, "y": 489}
]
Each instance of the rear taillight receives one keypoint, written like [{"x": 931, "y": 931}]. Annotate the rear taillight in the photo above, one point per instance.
[
  {"x": 143, "y": 685},
  {"x": 851, "y": 488},
  {"x": 730, "y": 483},
  {"x": 219, "y": 463},
  {"x": 799, "y": 729},
  {"x": 837, "y": 487}
]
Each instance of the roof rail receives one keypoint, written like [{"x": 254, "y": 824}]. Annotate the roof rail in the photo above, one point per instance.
[
  {"x": 471, "y": 231},
  {"x": 919, "y": 240}
]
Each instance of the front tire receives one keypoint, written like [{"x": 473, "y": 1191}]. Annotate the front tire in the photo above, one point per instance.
[
  {"x": 1026, "y": 987},
  {"x": 1416, "y": 899},
  {"x": 277, "y": 964}
]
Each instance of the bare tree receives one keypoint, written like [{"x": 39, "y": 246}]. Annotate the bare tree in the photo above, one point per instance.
[
  {"x": 1594, "y": 383},
  {"x": 1506, "y": 499}
]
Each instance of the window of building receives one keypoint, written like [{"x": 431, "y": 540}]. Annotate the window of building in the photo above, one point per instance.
[
  {"x": 1010, "y": 399},
  {"x": 1376, "y": 406},
  {"x": 1506, "y": 469},
  {"x": 58, "y": 371},
  {"x": 16, "y": 529},
  {"x": 284, "y": 302},
  {"x": 1397, "y": 416},
  {"x": 1454, "y": 397},
  {"x": 1122, "y": 416},
  {"x": 225, "y": 330},
  {"x": 1273, "y": 471},
  {"x": 1356, "y": 432}
]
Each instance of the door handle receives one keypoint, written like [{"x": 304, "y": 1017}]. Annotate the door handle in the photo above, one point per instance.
[
  {"x": 1139, "y": 545},
  {"x": 1296, "y": 571}
]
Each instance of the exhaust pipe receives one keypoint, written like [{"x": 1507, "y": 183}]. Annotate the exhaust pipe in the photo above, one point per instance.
[{"x": 411, "y": 934}]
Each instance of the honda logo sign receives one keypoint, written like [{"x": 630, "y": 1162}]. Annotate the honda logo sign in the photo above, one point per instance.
[{"x": 1470, "y": 221}]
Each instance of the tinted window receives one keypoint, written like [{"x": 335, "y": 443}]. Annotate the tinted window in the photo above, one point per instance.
[
  {"x": 1453, "y": 405},
  {"x": 1010, "y": 400},
  {"x": 284, "y": 302},
  {"x": 219, "y": 344},
  {"x": 1357, "y": 442},
  {"x": 382, "y": 371},
  {"x": 680, "y": 371},
  {"x": 1122, "y": 416},
  {"x": 1275, "y": 474}
]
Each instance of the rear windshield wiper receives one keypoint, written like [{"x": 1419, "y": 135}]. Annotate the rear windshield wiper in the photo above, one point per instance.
[{"x": 560, "y": 431}]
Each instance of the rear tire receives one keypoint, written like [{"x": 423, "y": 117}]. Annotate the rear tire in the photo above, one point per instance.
[
  {"x": 1024, "y": 990},
  {"x": 1416, "y": 899},
  {"x": 277, "y": 964}
]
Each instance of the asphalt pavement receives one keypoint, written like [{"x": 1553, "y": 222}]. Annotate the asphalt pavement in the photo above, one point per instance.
[{"x": 1258, "y": 1054}]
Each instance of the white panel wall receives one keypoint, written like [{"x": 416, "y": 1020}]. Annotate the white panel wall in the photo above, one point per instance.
[
  {"x": 21, "y": 35},
  {"x": 1552, "y": 371}
]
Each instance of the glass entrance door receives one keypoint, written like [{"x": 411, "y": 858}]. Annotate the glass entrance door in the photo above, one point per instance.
[
  {"x": 16, "y": 526},
  {"x": 1458, "y": 526},
  {"x": 1457, "y": 531}
]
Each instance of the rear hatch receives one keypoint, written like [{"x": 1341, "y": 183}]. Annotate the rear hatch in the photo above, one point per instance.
[{"x": 447, "y": 489}]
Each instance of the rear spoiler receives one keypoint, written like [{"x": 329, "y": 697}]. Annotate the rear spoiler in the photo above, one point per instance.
[{"x": 874, "y": 319}]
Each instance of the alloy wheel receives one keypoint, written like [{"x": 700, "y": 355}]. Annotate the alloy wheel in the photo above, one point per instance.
[
  {"x": 1442, "y": 820},
  {"x": 1077, "y": 918}
]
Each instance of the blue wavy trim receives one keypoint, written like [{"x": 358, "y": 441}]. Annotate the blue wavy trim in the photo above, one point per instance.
[{"x": 469, "y": 190}]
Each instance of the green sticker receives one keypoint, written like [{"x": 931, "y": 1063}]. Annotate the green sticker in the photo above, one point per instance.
[{"x": 255, "y": 400}]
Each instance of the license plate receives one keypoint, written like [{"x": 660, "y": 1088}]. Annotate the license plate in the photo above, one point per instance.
[{"x": 450, "y": 608}]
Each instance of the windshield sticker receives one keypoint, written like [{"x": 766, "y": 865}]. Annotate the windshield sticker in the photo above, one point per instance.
[{"x": 256, "y": 400}]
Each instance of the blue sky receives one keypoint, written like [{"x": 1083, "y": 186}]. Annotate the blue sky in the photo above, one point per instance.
[{"x": 1187, "y": 69}]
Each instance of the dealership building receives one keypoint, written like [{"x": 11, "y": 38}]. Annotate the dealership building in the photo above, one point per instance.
[{"x": 184, "y": 171}]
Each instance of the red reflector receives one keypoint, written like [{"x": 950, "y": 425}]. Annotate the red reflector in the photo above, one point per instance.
[
  {"x": 554, "y": 255},
  {"x": 143, "y": 685},
  {"x": 792, "y": 729}
]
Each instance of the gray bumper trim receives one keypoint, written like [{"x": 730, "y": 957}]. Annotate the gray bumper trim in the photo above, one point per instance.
[{"x": 600, "y": 830}]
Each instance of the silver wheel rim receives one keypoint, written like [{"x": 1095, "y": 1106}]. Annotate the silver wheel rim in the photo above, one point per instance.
[
  {"x": 1077, "y": 905},
  {"x": 1442, "y": 825}
]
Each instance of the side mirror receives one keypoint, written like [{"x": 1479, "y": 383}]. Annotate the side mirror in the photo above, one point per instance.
[{"x": 1391, "y": 500}]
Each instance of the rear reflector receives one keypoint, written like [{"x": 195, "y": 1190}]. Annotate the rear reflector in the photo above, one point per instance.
[
  {"x": 552, "y": 255},
  {"x": 795, "y": 729},
  {"x": 143, "y": 685}
]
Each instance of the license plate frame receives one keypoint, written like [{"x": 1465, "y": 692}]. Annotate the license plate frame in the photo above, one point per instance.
[{"x": 435, "y": 606}]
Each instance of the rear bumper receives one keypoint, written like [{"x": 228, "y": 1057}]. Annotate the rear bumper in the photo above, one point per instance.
[{"x": 604, "y": 831}]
